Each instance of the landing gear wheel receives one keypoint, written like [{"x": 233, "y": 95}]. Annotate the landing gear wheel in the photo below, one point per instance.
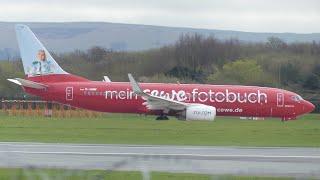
[{"x": 162, "y": 117}]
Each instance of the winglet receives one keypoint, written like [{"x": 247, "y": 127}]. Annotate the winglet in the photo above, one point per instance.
[
  {"x": 106, "y": 79},
  {"x": 135, "y": 86}
]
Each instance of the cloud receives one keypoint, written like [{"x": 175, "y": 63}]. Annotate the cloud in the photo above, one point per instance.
[{"x": 245, "y": 15}]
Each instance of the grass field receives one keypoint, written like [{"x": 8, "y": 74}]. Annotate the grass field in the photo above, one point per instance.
[
  {"x": 34, "y": 174},
  {"x": 135, "y": 129}
]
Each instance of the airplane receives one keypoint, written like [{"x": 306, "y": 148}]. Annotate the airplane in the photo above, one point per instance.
[{"x": 198, "y": 102}]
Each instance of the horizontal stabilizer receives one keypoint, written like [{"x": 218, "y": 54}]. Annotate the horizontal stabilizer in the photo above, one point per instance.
[{"x": 27, "y": 83}]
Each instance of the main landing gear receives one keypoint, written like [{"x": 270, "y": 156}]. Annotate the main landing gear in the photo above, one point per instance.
[{"x": 162, "y": 117}]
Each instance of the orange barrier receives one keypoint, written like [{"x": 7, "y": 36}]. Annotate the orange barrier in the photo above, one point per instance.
[{"x": 43, "y": 108}]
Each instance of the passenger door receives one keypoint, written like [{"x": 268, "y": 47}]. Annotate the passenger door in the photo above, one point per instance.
[
  {"x": 277, "y": 104},
  {"x": 280, "y": 99}
]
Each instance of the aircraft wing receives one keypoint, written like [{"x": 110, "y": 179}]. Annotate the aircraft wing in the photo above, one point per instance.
[{"x": 156, "y": 102}]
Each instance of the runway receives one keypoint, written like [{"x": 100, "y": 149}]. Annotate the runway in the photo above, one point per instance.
[{"x": 265, "y": 161}]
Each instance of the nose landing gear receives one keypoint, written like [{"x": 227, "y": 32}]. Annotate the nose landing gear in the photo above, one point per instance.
[{"x": 283, "y": 119}]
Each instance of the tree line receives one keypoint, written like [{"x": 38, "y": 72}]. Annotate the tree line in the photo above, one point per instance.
[{"x": 198, "y": 59}]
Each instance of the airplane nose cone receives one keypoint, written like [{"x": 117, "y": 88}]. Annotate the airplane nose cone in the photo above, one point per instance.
[{"x": 309, "y": 107}]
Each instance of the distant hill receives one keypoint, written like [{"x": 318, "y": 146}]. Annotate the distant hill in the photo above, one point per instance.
[{"x": 64, "y": 37}]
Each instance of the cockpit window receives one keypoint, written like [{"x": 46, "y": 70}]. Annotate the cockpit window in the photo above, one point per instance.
[
  {"x": 300, "y": 98},
  {"x": 296, "y": 98}
]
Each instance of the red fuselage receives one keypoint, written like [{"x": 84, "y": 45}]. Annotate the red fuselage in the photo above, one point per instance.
[{"x": 229, "y": 100}]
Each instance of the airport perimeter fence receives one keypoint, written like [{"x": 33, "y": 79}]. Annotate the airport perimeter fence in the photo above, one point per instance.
[
  {"x": 140, "y": 166},
  {"x": 43, "y": 108}
]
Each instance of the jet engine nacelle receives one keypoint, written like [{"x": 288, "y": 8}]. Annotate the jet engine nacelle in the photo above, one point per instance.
[{"x": 199, "y": 113}]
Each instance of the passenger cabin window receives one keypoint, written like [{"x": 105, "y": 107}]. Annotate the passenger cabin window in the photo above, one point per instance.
[{"x": 94, "y": 93}]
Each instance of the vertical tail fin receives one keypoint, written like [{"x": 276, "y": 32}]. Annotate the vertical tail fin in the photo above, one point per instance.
[{"x": 36, "y": 58}]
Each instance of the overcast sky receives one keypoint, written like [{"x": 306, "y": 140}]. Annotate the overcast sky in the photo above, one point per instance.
[{"x": 301, "y": 16}]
